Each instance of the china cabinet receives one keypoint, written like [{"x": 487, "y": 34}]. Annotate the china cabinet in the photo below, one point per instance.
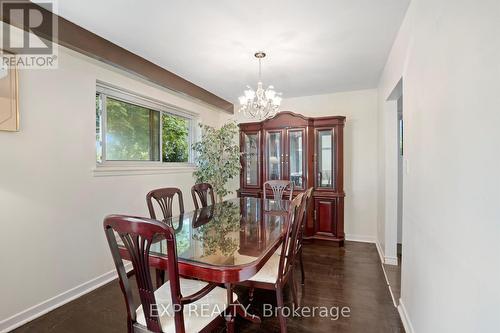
[{"x": 305, "y": 150}]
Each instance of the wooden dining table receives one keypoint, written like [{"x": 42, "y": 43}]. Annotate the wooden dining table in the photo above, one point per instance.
[{"x": 225, "y": 243}]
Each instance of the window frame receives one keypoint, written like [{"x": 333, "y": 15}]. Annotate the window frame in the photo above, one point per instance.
[{"x": 106, "y": 90}]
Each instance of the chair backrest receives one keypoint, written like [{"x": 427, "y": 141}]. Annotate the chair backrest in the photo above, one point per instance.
[
  {"x": 294, "y": 220},
  {"x": 137, "y": 235},
  {"x": 278, "y": 187},
  {"x": 203, "y": 190},
  {"x": 307, "y": 202},
  {"x": 164, "y": 197}
]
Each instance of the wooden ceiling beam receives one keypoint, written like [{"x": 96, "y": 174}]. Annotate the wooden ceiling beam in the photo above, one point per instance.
[{"x": 77, "y": 38}]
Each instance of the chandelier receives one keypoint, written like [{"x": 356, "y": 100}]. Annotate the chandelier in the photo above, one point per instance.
[{"x": 261, "y": 103}]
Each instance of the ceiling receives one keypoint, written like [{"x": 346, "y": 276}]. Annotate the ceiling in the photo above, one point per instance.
[{"x": 313, "y": 47}]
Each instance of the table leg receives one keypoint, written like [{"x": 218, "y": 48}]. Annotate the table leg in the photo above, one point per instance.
[
  {"x": 242, "y": 312},
  {"x": 238, "y": 309},
  {"x": 231, "y": 313}
]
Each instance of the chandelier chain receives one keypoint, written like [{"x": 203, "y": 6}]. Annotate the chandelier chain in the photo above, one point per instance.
[{"x": 260, "y": 70}]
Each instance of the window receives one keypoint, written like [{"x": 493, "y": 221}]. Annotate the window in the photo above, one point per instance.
[{"x": 131, "y": 128}]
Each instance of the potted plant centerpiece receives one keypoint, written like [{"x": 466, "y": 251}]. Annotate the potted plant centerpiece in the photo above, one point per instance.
[{"x": 218, "y": 157}]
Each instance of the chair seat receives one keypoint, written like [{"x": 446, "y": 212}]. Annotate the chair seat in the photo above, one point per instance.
[
  {"x": 203, "y": 311},
  {"x": 269, "y": 272}
]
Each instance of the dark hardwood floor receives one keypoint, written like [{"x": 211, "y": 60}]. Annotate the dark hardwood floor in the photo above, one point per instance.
[
  {"x": 393, "y": 274},
  {"x": 335, "y": 277}
]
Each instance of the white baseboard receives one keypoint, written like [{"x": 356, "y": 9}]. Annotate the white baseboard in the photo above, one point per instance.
[
  {"x": 370, "y": 239},
  {"x": 360, "y": 238},
  {"x": 380, "y": 252},
  {"x": 44, "y": 307},
  {"x": 386, "y": 259},
  {"x": 405, "y": 318},
  {"x": 391, "y": 260}
]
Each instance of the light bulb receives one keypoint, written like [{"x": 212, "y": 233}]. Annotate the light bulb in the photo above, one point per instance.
[
  {"x": 270, "y": 94},
  {"x": 249, "y": 94},
  {"x": 277, "y": 100},
  {"x": 243, "y": 100}
]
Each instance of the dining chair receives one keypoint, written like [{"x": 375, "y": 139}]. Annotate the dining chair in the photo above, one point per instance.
[
  {"x": 278, "y": 270},
  {"x": 307, "y": 203},
  {"x": 165, "y": 198},
  {"x": 163, "y": 309},
  {"x": 278, "y": 187},
  {"x": 202, "y": 190}
]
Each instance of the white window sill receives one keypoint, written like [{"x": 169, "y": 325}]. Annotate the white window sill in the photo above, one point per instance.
[{"x": 132, "y": 170}]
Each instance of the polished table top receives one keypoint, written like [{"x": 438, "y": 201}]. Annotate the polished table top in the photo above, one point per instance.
[
  {"x": 225, "y": 243},
  {"x": 233, "y": 233}
]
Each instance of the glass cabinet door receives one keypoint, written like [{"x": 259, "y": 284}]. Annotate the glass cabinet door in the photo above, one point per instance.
[
  {"x": 274, "y": 156},
  {"x": 296, "y": 158},
  {"x": 325, "y": 155},
  {"x": 251, "y": 159}
]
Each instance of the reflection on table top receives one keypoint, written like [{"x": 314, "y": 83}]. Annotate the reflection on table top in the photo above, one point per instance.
[{"x": 229, "y": 234}]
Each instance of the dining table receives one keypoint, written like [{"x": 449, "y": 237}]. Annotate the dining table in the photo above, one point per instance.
[{"x": 224, "y": 243}]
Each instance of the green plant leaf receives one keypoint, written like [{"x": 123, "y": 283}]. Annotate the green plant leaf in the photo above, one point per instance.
[{"x": 218, "y": 157}]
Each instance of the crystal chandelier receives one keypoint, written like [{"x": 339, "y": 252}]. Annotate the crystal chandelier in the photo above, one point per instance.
[{"x": 260, "y": 104}]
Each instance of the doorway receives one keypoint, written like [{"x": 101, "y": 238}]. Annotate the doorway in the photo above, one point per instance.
[
  {"x": 400, "y": 178},
  {"x": 395, "y": 164}
]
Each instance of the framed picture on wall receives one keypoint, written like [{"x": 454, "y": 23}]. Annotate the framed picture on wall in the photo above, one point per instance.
[{"x": 9, "y": 108}]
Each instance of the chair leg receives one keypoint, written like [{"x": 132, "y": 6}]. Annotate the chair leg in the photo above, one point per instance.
[
  {"x": 130, "y": 326},
  {"x": 230, "y": 325},
  {"x": 160, "y": 277},
  {"x": 282, "y": 319},
  {"x": 231, "y": 313},
  {"x": 302, "y": 267},
  {"x": 293, "y": 286}
]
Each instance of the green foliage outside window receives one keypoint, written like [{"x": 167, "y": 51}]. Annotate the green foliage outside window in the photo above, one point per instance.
[
  {"x": 175, "y": 134},
  {"x": 132, "y": 133}
]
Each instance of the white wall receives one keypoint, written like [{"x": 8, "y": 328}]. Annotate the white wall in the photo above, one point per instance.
[
  {"x": 448, "y": 55},
  {"x": 52, "y": 205},
  {"x": 360, "y": 152}
]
